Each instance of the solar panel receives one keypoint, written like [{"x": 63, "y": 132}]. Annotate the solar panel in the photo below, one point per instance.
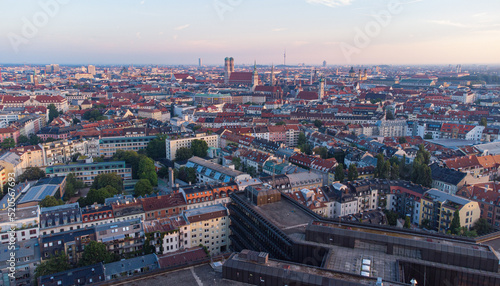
[
  {"x": 217, "y": 175},
  {"x": 199, "y": 169},
  {"x": 190, "y": 164},
  {"x": 207, "y": 172}
]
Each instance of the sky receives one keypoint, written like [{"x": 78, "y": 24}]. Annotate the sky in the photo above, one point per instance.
[{"x": 167, "y": 32}]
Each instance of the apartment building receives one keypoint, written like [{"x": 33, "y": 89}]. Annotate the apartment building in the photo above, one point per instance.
[
  {"x": 124, "y": 237},
  {"x": 88, "y": 172},
  {"x": 27, "y": 258},
  {"x": 72, "y": 243},
  {"x": 487, "y": 195},
  {"x": 26, "y": 223},
  {"x": 438, "y": 208},
  {"x": 209, "y": 227},
  {"x": 209, "y": 172},
  {"x": 174, "y": 143},
  {"x": 109, "y": 145},
  {"x": 96, "y": 215},
  {"x": 60, "y": 219}
]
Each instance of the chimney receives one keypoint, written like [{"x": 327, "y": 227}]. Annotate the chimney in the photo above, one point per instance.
[{"x": 171, "y": 177}]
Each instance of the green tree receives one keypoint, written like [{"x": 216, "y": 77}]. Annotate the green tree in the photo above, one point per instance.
[
  {"x": 96, "y": 252},
  {"x": 321, "y": 151},
  {"x": 34, "y": 140},
  {"x": 424, "y": 154},
  {"x": 318, "y": 123},
  {"x": 380, "y": 165},
  {"x": 484, "y": 122},
  {"x": 389, "y": 115},
  {"x": 142, "y": 188},
  {"x": 394, "y": 171},
  {"x": 407, "y": 222},
  {"x": 22, "y": 139},
  {"x": 73, "y": 185},
  {"x": 252, "y": 171},
  {"x": 156, "y": 147},
  {"x": 237, "y": 162},
  {"x": 105, "y": 180},
  {"x": 50, "y": 201},
  {"x": 280, "y": 123},
  {"x": 392, "y": 217},
  {"x": 199, "y": 148},
  {"x": 455, "y": 223},
  {"x": 76, "y": 121},
  {"x": 52, "y": 265},
  {"x": 482, "y": 227},
  {"x": 352, "y": 173},
  {"x": 163, "y": 173},
  {"x": 93, "y": 115},
  {"x": 131, "y": 158},
  {"x": 183, "y": 154},
  {"x": 98, "y": 196},
  {"x": 147, "y": 170},
  {"x": 53, "y": 112},
  {"x": 339, "y": 173},
  {"x": 428, "y": 136},
  {"x": 32, "y": 174},
  {"x": 8, "y": 143},
  {"x": 186, "y": 174},
  {"x": 302, "y": 139},
  {"x": 386, "y": 170},
  {"x": 402, "y": 140}
]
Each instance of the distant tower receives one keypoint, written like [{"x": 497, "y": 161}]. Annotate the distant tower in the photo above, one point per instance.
[
  {"x": 91, "y": 69},
  {"x": 311, "y": 79},
  {"x": 1, "y": 80},
  {"x": 227, "y": 70},
  {"x": 365, "y": 75},
  {"x": 337, "y": 71},
  {"x": 359, "y": 75},
  {"x": 231, "y": 64},
  {"x": 272, "y": 75},
  {"x": 200, "y": 63},
  {"x": 255, "y": 77},
  {"x": 352, "y": 73},
  {"x": 324, "y": 64},
  {"x": 321, "y": 91},
  {"x": 284, "y": 58}
]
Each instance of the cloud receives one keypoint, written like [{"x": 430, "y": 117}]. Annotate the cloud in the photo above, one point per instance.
[
  {"x": 449, "y": 23},
  {"x": 331, "y": 3},
  {"x": 181, "y": 27},
  {"x": 279, "y": 29},
  {"x": 461, "y": 25}
]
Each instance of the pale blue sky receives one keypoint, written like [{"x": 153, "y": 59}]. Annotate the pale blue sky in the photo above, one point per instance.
[{"x": 179, "y": 32}]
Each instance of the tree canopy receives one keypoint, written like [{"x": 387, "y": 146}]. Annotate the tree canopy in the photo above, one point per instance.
[
  {"x": 339, "y": 173},
  {"x": 147, "y": 170},
  {"x": 183, "y": 154},
  {"x": 482, "y": 227},
  {"x": 199, "y": 148},
  {"x": 97, "y": 196},
  {"x": 96, "y": 252},
  {"x": 105, "y": 180},
  {"x": 50, "y": 201},
  {"x": 142, "y": 188},
  {"x": 53, "y": 112},
  {"x": 52, "y": 265},
  {"x": 352, "y": 173},
  {"x": 455, "y": 223},
  {"x": 8, "y": 143},
  {"x": 32, "y": 174},
  {"x": 186, "y": 174},
  {"x": 156, "y": 147}
]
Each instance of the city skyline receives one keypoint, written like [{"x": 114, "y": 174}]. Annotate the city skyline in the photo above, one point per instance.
[{"x": 341, "y": 32}]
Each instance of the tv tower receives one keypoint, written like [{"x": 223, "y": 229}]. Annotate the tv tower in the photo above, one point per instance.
[{"x": 284, "y": 58}]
